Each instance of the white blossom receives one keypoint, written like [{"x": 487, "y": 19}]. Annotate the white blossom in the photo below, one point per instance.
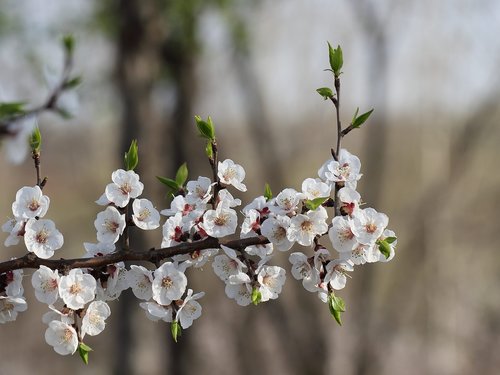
[
  {"x": 341, "y": 234},
  {"x": 226, "y": 199},
  {"x": 98, "y": 249},
  {"x": 303, "y": 270},
  {"x": 286, "y": 201},
  {"x": 368, "y": 225},
  {"x": 14, "y": 228},
  {"x": 303, "y": 228},
  {"x": 271, "y": 280},
  {"x": 226, "y": 265},
  {"x": 275, "y": 229},
  {"x": 345, "y": 170},
  {"x": 199, "y": 191},
  {"x": 220, "y": 222},
  {"x": 109, "y": 225},
  {"x": 10, "y": 306},
  {"x": 349, "y": 200},
  {"x": 42, "y": 237},
  {"x": 197, "y": 258},
  {"x": 77, "y": 289},
  {"x": 169, "y": 284},
  {"x": 96, "y": 314},
  {"x": 172, "y": 230},
  {"x": 230, "y": 173},
  {"x": 62, "y": 337},
  {"x": 315, "y": 188},
  {"x": 45, "y": 282},
  {"x": 125, "y": 185},
  {"x": 140, "y": 279},
  {"x": 251, "y": 223},
  {"x": 145, "y": 216},
  {"x": 189, "y": 310},
  {"x": 239, "y": 288},
  {"x": 336, "y": 271},
  {"x": 30, "y": 203}
]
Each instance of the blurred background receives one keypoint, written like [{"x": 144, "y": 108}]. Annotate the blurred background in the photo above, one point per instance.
[{"x": 429, "y": 158}]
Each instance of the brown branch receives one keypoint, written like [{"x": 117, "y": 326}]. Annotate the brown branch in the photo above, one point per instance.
[{"x": 30, "y": 260}]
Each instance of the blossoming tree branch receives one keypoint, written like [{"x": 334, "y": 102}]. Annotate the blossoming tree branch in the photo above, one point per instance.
[{"x": 324, "y": 217}]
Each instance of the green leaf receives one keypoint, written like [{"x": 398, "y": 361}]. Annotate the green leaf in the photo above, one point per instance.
[
  {"x": 181, "y": 175},
  {"x": 169, "y": 182},
  {"x": 68, "y": 43},
  {"x": 209, "y": 150},
  {"x": 84, "y": 350},
  {"x": 268, "y": 194},
  {"x": 35, "y": 140},
  {"x": 358, "y": 121},
  {"x": 336, "y": 306},
  {"x": 336, "y": 59},
  {"x": 355, "y": 115},
  {"x": 175, "y": 330},
  {"x": 206, "y": 128},
  {"x": 315, "y": 203},
  {"x": 132, "y": 156},
  {"x": 325, "y": 92},
  {"x": 11, "y": 109},
  {"x": 73, "y": 82},
  {"x": 384, "y": 248},
  {"x": 390, "y": 240},
  {"x": 256, "y": 296}
]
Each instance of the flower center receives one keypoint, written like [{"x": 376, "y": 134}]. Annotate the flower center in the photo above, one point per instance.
[
  {"x": 126, "y": 188},
  {"x": 68, "y": 335},
  {"x": 306, "y": 226},
  {"x": 280, "y": 233},
  {"x": 220, "y": 220},
  {"x": 370, "y": 227},
  {"x": 75, "y": 288},
  {"x": 144, "y": 214},
  {"x": 33, "y": 205},
  {"x": 167, "y": 282},
  {"x": 41, "y": 236},
  {"x": 111, "y": 226}
]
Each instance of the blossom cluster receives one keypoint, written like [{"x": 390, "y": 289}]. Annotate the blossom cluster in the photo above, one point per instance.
[{"x": 78, "y": 300}]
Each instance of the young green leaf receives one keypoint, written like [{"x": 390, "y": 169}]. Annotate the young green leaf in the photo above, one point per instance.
[
  {"x": 132, "y": 156},
  {"x": 73, "y": 82},
  {"x": 169, "y": 182},
  {"x": 35, "y": 140},
  {"x": 84, "y": 350},
  {"x": 206, "y": 128},
  {"x": 358, "y": 121},
  {"x": 355, "y": 115},
  {"x": 390, "y": 240},
  {"x": 336, "y": 59},
  {"x": 268, "y": 194},
  {"x": 256, "y": 296},
  {"x": 175, "y": 330},
  {"x": 384, "y": 248},
  {"x": 181, "y": 175},
  {"x": 325, "y": 92},
  {"x": 315, "y": 203},
  {"x": 68, "y": 42},
  {"x": 11, "y": 109},
  {"x": 336, "y": 306}
]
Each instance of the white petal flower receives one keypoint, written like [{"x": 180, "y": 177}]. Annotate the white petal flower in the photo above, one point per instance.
[
  {"x": 341, "y": 235},
  {"x": 197, "y": 258},
  {"x": 385, "y": 234},
  {"x": 62, "y": 337},
  {"x": 220, "y": 222},
  {"x": 199, "y": 191},
  {"x": 169, "y": 284},
  {"x": 349, "y": 200},
  {"x": 15, "y": 230},
  {"x": 189, "y": 310},
  {"x": 42, "y": 237},
  {"x": 240, "y": 289},
  {"x": 45, "y": 282},
  {"x": 251, "y": 223},
  {"x": 178, "y": 204},
  {"x": 336, "y": 271},
  {"x": 109, "y": 225},
  {"x": 30, "y": 203},
  {"x": 275, "y": 228},
  {"x": 345, "y": 170},
  {"x": 271, "y": 280},
  {"x": 125, "y": 185},
  {"x": 157, "y": 312},
  {"x": 260, "y": 204},
  {"x": 115, "y": 284},
  {"x": 230, "y": 173},
  {"x": 13, "y": 279},
  {"x": 227, "y": 265},
  {"x": 303, "y": 270},
  {"x": 226, "y": 199},
  {"x": 286, "y": 201},
  {"x": 314, "y": 188},
  {"x": 368, "y": 225},
  {"x": 10, "y": 306},
  {"x": 140, "y": 279},
  {"x": 64, "y": 315},
  {"x": 303, "y": 228},
  {"x": 361, "y": 254},
  {"x": 172, "y": 230},
  {"x": 77, "y": 289},
  {"x": 93, "y": 322},
  {"x": 145, "y": 216},
  {"x": 262, "y": 251},
  {"x": 103, "y": 200}
]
